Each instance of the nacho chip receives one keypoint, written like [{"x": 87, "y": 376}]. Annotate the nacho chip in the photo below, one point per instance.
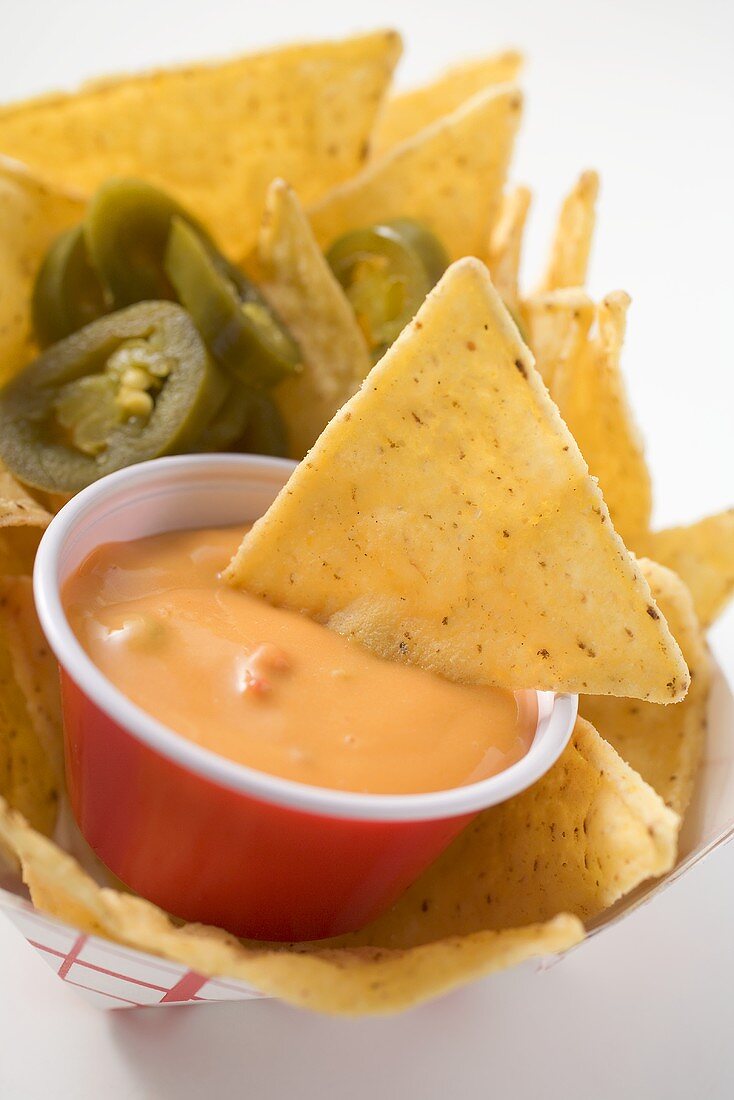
[
  {"x": 446, "y": 518},
  {"x": 216, "y": 135},
  {"x": 580, "y": 838},
  {"x": 298, "y": 283},
  {"x": 449, "y": 177},
  {"x": 703, "y": 555},
  {"x": 558, "y": 324},
  {"x": 17, "y": 507},
  {"x": 589, "y": 390},
  {"x": 30, "y": 724},
  {"x": 406, "y": 114},
  {"x": 22, "y": 522},
  {"x": 327, "y": 979},
  {"x": 663, "y": 744},
  {"x": 505, "y": 247},
  {"x": 577, "y": 840},
  {"x": 32, "y": 214},
  {"x": 569, "y": 258},
  {"x": 35, "y": 668}
]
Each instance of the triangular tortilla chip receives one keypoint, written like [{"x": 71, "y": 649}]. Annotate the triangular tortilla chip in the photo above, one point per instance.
[
  {"x": 406, "y": 114},
  {"x": 22, "y": 522},
  {"x": 569, "y": 258},
  {"x": 589, "y": 389},
  {"x": 17, "y": 507},
  {"x": 505, "y": 247},
  {"x": 216, "y": 135},
  {"x": 663, "y": 744},
  {"x": 32, "y": 214},
  {"x": 557, "y": 323},
  {"x": 300, "y": 286},
  {"x": 35, "y": 668},
  {"x": 581, "y": 837},
  {"x": 349, "y": 982},
  {"x": 703, "y": 555},
  {"x": 446, "y": 518},
  {"x": 449, "y": 177},
  {"x": 30, "y": 724},
  {"x": 584, "y": 835}
]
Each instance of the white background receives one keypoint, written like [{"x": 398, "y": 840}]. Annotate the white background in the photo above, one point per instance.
[{"x": 643, "y": 90}]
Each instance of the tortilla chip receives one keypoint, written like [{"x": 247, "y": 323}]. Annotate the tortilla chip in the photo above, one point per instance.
[
  {"x": 663, "y": 744},
  {"x": 406, "y": 114},
  {"x": 57, "y": 884},
  {"x": 22, "y": 522},
  {"x": 30, "y": 722},
  {"x": 449, "y": 177},
  {"x": 35, "y": 667},
  {"x": 703, "y": 555},
  {"x": 18, "y": 546},
  {"x": 557, "y": 324},
  {"x": 580, "y": 838},
  {"x": 17, "y": 507},
  {"x": 589, "y": 390},
  {"x": 32, "y": 214},
  {"x": 569, "y": 258},
  {"x": 357, "y": 982},
  {"x": 216, "y": 135},
  {"x": 505, "y": 247},
  {"x": 347, "y": 982},
  {"x": 446, "y": 518},
  {"x": 300, "y": 286}
]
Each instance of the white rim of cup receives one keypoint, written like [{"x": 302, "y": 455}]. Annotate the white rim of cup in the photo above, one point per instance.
[{"x": 556, "y": 712}]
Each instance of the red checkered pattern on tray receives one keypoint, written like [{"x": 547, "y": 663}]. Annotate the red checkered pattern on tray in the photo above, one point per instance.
[{"x": 110, "y": 975}]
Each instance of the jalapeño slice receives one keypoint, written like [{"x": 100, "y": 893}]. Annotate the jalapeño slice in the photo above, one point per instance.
[
  {"x": 386, "y": 271},
  {"x": 131, "y": 386},
  {"x": 265, "y": 432},
  {"x": 126, "y": 231},
  {"x": 229, "y": 422},
  {"x": 237, "y": 326},
  {"x": 67, "y": 294}
]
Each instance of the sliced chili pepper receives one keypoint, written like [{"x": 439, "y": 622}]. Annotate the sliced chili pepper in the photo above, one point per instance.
[
  {"x": 244, "y": 335},
  {"x": 265, "y": 433},
  {"x": 67, "y": 294},
  {"x": 229, "y": 422},
  {"x": 386, "y": 271},
  {"x": 130, "y": 386},
  {"x": 126, "y": 231}
]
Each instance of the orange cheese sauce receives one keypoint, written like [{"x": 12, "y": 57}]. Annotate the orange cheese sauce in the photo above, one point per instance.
[{"x": 270, "y": 688}]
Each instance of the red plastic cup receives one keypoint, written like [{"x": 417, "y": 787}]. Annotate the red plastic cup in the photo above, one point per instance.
[{"x": 208, "y": 839}]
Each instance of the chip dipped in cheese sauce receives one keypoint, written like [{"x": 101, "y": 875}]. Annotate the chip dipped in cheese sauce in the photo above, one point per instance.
[{"x": 274, "y": 690}]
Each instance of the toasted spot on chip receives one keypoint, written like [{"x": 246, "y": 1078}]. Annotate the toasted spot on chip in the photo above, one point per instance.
[
  {"x": 702, "y": 554},
  {"x": 448, "y": 176},
  {"x": 505, "y": 247},
  {"x": 569, "y": 258},
  {"x": 409, "y": 112},
  {"x": 300, "y": 286},
  {"x": 215, "y": 135},
  {"x": 414, "y": 529},
  {"x": 663, "y": 744},
  {"x": 589, "y": 389},
  {"x": 32, "y": 214}
]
